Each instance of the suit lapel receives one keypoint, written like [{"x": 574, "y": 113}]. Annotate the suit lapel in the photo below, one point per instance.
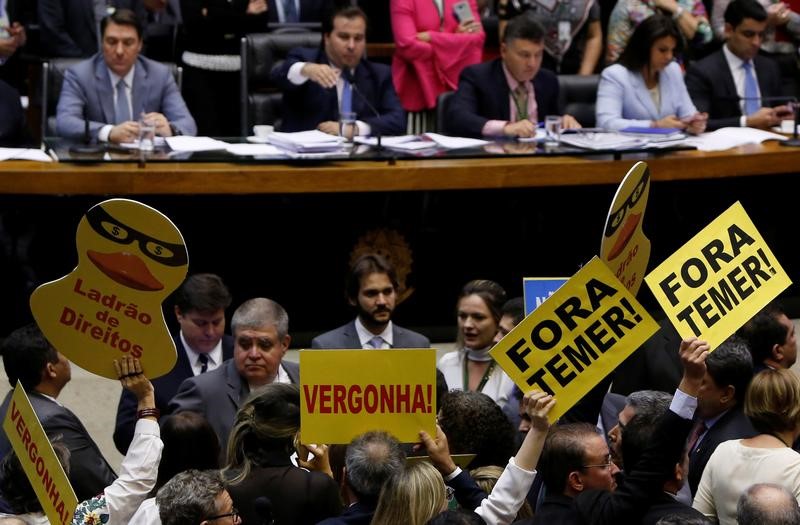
[
  {"x": 643, "y": 94},
  {"x": 183, "y": 367},
  {"x": 351, "y": 336},
  {"x": 234, "y": 385},
  {"x": 500, "y": 92},
  {"x": 725, "y": 76},
  {"x": 104, "y": 90}
]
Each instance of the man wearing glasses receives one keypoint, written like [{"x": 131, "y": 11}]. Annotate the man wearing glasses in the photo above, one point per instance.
[{"x": 196, "y": 496}]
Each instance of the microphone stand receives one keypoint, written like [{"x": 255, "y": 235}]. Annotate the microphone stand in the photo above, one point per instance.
[
  {"x": 349, "y": 77},
  {"x": 87, "y": 148},
  {"x": 793, "y": 142}
]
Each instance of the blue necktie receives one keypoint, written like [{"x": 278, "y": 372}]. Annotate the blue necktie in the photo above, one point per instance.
[
  {"x": 290, "y": 12},
  {"x": 376, "y": 342},
  {"x": 347, "y": 97},
  {"x": 123, "y": 110},
  {"x": 751, "y": 100}
]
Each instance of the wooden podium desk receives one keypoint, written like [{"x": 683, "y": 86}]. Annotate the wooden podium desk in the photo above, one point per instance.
[{"x": 353, "y": 176}]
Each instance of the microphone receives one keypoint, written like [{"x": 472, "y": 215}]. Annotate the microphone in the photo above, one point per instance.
[
  {"x": 87, "y": 148},
  {"x": 263, "y": 507},
  {"x": 348, "y": 76}
]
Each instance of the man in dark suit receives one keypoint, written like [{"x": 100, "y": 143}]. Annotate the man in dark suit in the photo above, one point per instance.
[
  {"x": 320, "y": 84},
  {"x": 771, "y": 338},
  {"x": 370, "y": 460},
  {"x": 578, "y": 473},
  {"x": 12, "y": 125},
  {"x": 293, "y": 11},
  {"x": 720, "y": 403},
  {"x": 261, "y": 338},
  {"x": 113, "y": 88},
  {"x": 200, "y": 305},
  {"x": 734, "y": 85},
  {"x": 372, "y": 291},
  {"x": 30, "y": 360},
  {"x": 509, "y": 95}
]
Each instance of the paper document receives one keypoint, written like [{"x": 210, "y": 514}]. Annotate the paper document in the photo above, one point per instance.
[
  {"x": 24, "y": 154},
  {"x": 184, "y": 143},
  {"x": 306, "y": 141},
  {"x": 726, "y": 138},
  {"x": 603, "y": 141},
  {"x": 455, "y": 142},
  {"x": 253, "y": 149}
]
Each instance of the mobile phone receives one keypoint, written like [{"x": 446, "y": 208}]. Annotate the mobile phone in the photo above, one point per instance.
[{"x": 463, "y": 12}]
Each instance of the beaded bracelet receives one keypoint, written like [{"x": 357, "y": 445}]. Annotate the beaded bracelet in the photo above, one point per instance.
[{"x": 148, "y": 412}]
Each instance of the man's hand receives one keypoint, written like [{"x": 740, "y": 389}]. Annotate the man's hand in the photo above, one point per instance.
[
  {"x": 17, "y": 31},
  {"x": 778, "y": 14},
  {"x": 161, "y": 124},
  {"x": 521, "y": 128},
  {"x": 320, "y": 462},
  {"x": 129, "y": 372},
  {"x": 569, "y": 122},
  {"x": 125, "y": 132},
  {"x": 469, "y": 26},
  {"x": 693, "y": 353},
  {"x": 696, "y": 124},
  {"x": 256, "y": 7},
  {"x": 438, "y": 451},
  {"x": 330, "y": 127},
  {"x": 764, "y": 118},
  {"x": 670, "y": 121},
  {"x": 322, "y": 74}
]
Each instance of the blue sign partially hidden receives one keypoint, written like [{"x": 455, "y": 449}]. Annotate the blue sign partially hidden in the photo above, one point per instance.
[{"x": 537, "y": 289}]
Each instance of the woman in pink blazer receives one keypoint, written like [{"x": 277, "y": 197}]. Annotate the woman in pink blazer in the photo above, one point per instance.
[{"x": 432, "y": 48}]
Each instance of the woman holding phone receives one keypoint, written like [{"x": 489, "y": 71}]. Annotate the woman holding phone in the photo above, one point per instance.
[
  {"x": 646, "y": 88},
  {"x": 435, "y": 40}
]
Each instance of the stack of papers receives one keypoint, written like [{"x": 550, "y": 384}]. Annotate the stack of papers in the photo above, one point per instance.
[
  {"x": 24, "y": 154},
  {"x": 654, "y": 134},
  {"x": 313, "y": 141},
  {"x": 443, "y": 141},
  {"x": 726, "y": 138},
  {"x": 260, "y": 150},
  {"x": 603, "y": 141},
  {"x": 192, "y": 144},
  {"x": 402, "y": 143}
]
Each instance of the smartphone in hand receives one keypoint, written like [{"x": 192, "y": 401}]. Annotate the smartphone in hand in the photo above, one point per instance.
[{"x": 463, "y": 13}]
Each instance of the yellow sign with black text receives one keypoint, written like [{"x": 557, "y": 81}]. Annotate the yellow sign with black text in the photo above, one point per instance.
[
  {"x": 575, "y": 338},
  {"x": 345, "y": 393},
  {"x": 719, "y": 279},
  {"x": 38, "y": 460}
]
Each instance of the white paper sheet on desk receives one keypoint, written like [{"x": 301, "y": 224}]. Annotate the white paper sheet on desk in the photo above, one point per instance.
[
  {"x": 603, "y": 141},
  {"x": 402, "y": 142},
  {"x": 455, "y": 142},
  {"x": 184, "y": 143},
  {"x": 726, "y": 138},
  {"x": 24, "y": 154},
  {"x": 253, "y": 149},
  {"x": 306, "y": 141}
]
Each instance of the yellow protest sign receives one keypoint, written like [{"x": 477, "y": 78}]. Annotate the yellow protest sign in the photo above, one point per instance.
[
  {"x": 575, "y": 338},
  {"x": 345, "y": 393},
  {"x": 39, "y": 461},
  {"x": 130, "y": 258},
  {"x": 719, "y": 279},
  {"x": 624, "y": 247}
]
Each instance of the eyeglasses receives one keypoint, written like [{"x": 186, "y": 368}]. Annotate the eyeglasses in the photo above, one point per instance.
[
  {"x": 605, "y": 465},
  {"x": 232, "y": 514}
]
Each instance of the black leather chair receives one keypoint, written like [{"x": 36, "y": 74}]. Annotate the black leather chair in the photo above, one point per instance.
[
  {"x": 260, "y": 52},
  {"x": 441, "y": 110},
  {"x": 578, "y": 97},
  {"x": 52, "y": 80}
]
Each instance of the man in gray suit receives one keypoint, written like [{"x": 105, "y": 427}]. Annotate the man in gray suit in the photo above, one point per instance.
[
  {"x": 112, "y": 89},
  {"x": 372, "y": 291},
  {"x": 260, "y": 330}
]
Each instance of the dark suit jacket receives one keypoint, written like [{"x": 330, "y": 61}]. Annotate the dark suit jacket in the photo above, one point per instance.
[
  {"x": 165, "y": 388},
  {"x": 733, "y": 425},
  {"x": 356, "y": 514},
  {"x": 69, "y": 28},
  {"x": 308, "y": 104},
  {"x": 347, "y": 337},
  {"x": 89, "y": 472},
  {"x": 483, "y": 95},
  {"x": 310, "y": 10},
  {"x": 656, "y": 365},
  {"x": 298, "y": 496},
  {"x": 218, "y": 394},
  {"x": 634, "y": 496},
  {"x": 12, "y": 125},
  {"x": 710, "y": 84},
  {"x": 666, "y": 505}
]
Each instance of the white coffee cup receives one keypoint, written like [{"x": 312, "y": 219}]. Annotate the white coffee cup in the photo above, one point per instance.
[{"x": 263, "y": 130}]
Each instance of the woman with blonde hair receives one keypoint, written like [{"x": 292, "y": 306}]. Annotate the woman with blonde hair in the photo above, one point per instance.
[
  {"x": 260, "y": 447},
  {"x": 412, "y": 497},
  {"x": 773, "y": 405}
]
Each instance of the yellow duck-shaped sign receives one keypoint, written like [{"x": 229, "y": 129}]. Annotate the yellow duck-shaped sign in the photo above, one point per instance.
[{"x": 130, "y": 258}]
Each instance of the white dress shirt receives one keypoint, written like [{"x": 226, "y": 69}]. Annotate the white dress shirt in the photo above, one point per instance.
[
  {"x": 737, "y": 71},
  {"x": 105, "y": 131}
]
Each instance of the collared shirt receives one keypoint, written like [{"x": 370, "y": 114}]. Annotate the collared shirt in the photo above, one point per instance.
[
  {"x": 297, "y": 78},
  {"x": 365, "y": 335},
  {"x": 105, "y": 131},
  {"x": 737, "y": 71},
  {"x": 214, "y": 356},
  {"x": 282, "y": 377},
  {"x": 494, "y": 128},
  {"x": 709, "y": 423}
]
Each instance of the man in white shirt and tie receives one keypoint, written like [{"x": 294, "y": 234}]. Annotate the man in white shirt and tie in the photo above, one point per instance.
[
  {"x": 735, "y": 85},
  {"x": 200, "y": 305},
  {"x": 114, "y": 88}
]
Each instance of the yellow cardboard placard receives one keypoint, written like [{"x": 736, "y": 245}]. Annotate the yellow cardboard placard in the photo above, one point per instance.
[
  {"x": 39, "y": 461},
  {"x": 576, "y": 337},
  {"x": 624, "y": 247},
  {"x": 345, "y": 393},
  {"x": 130, "y": 258},
  {"x": 719, "y": 279}
]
